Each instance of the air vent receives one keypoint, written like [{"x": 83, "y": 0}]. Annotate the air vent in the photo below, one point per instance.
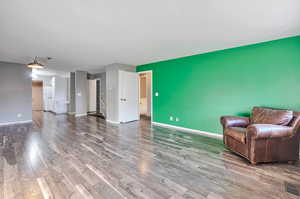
[{"x": 292, "y": 188}]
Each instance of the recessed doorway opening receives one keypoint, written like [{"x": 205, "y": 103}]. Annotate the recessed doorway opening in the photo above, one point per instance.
[
  {"x": 37, "y": 96},
  {"x": 95, "y": 103},
  {"x": 145, "y": 95}
]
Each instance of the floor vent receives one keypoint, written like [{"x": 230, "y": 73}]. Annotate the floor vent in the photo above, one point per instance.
[{"x": 292, "y": 188}]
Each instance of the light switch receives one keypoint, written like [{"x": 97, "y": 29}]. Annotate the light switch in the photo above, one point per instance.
[
  {"x": 156, "y": 94},
  {"x": 79, "y": 94}
]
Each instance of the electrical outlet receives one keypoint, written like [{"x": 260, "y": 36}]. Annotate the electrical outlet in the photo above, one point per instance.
[
  {"x": 171, "y": 118},
  {"x": 177, "y": 119},
  {"x": 19, "y": 115}
]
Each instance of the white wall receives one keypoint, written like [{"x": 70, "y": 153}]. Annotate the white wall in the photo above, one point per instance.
[
  {"x": 112, "y": 95},
  {"x": 60, "y": 95},
  {"x": 81, "y": 87}
]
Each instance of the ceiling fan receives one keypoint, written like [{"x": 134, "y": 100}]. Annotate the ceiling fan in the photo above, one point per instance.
[{"x": 36, "y": 64}]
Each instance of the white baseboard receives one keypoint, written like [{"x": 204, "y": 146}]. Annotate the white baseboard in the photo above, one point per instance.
[
  {"x": 214, "y": 135},
  {"x": 13, "y": 123},
  {"x": 71, "y": 113},
  {"x": 113, "y": 122},
  {"x": 80, "y": 115}
]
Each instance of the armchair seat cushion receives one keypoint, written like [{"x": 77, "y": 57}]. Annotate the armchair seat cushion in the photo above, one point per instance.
[
  {"x": 237, "y": 133},
  {"x": 264, "y": 131}
]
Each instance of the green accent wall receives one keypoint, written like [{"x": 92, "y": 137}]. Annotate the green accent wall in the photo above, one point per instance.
[{"x": 199, "y": 89}]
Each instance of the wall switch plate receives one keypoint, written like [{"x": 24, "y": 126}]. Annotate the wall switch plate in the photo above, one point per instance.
[
  {"x": 79, "y": 94},
  {"x": 19, "y": 115},
  {"x": 177, "y": 119},
  {"x": 156, "y": 94},
  {"x": 171, "y": 118}
]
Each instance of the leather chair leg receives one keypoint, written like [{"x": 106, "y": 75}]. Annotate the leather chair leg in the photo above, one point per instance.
[
  {"x": 292, "y": 162},
  {"x": 253, "y": 163}
]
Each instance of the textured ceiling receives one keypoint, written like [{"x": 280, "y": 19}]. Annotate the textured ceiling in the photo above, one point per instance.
[{"x": 88, "y": 34}]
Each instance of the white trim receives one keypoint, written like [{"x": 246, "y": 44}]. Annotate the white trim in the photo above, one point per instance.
[
  {"x": 71, "y": 113},
  {"x": 18, "y": 122},
  {"x": 209, "y": 134},
  {"x": 113, "y": 122},
  {"x": 80, "y": 115},
  {"x": 147, "y": 71}
]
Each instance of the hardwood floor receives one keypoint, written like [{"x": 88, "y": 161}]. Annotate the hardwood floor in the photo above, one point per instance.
[{"x": 85, "y": 158}]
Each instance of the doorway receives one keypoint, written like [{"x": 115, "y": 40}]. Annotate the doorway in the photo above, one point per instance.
[
  {"x": 95, "y": 103},
  {"x": 37, "y": 96},
  {"x": 145, "y": 95}
]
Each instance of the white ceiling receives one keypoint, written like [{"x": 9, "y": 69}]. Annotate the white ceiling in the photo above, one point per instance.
[{"x": 87, "y": 34}]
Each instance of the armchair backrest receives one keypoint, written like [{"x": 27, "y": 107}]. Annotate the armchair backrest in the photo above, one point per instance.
[
  {"x": 296, "y": 118},
  {"x": 277, "y": 116},
  {"x": 262, "y": 115},
  {"x": 295, "y": 122}
]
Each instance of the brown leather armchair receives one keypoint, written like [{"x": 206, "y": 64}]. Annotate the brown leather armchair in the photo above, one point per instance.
[{"x": 269, "y": 135}]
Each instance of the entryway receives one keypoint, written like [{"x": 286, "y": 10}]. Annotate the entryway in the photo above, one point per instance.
[
  {"x": 145, "y": 94},
  {"x": 37, "y": 96},
  {"x": 95, "y": 99}
]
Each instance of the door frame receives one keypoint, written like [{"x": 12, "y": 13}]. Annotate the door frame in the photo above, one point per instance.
[
  {"x": 151, "y": 111},
  {"x": 100, "y": 94}
]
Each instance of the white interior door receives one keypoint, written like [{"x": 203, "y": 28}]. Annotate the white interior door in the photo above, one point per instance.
[
  {"x": 128, "y": 96},
  {"x": 92, "y": 95},
  {"x": 47, "y": 98}
]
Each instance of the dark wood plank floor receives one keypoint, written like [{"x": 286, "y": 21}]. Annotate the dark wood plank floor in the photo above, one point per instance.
[{"x": 64, "y": 157}]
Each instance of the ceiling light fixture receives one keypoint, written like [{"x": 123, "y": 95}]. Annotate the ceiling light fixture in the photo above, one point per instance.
[{"x": 35, "y": 64}]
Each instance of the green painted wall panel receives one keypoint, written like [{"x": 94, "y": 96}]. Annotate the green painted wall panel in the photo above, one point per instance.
[{"x": 199, "y": 89}]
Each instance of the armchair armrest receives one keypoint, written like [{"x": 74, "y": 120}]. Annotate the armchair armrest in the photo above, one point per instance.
[
  {"x": 263, "y": 131},
  {"x": 234, "y": 121}
]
